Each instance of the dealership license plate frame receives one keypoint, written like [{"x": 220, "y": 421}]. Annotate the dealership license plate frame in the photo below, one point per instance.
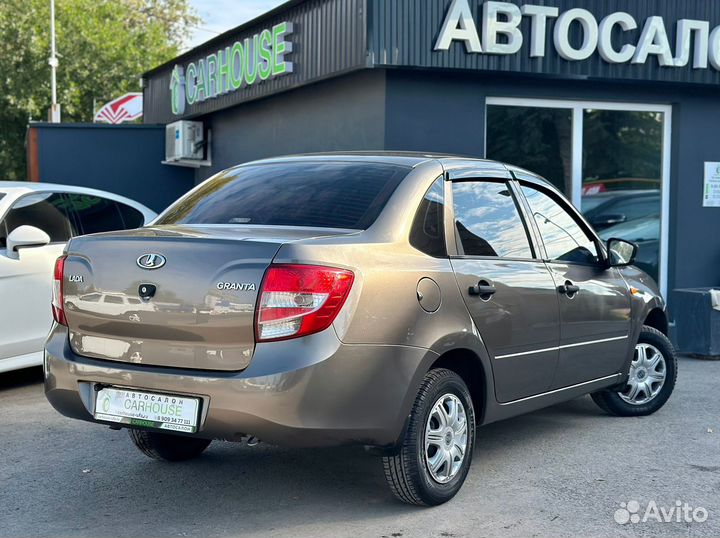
[{"x": 188, "y": 422}]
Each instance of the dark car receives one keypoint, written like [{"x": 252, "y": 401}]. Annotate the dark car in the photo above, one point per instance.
[
  {"x": 396, "y": 301},
  {"x": 620, "y": 207},
  {"x": 645, "y": 232}
]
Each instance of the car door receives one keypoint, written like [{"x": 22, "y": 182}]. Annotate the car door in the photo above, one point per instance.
[
  {"x": 26, "y": 276},
  {"x": 594, "y": 299},
  {"x": 508, "y": 290}
]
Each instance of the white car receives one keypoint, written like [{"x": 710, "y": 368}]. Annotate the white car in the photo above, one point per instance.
[{"x": 36, "y": 221}]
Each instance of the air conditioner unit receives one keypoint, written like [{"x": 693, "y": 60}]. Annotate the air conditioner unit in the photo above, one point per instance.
[{"x": 184, "y": 140}]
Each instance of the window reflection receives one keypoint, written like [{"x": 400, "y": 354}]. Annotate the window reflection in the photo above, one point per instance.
[
  {"x": 487, "y": 221},
  {"x": 534, "y": 138},
  {"x": 622, "y": 172}
]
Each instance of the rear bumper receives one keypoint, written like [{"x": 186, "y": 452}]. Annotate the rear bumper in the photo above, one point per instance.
[{"x": 314, "y": 391}]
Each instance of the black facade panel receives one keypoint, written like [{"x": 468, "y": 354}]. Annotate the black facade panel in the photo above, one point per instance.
[
  {"x": 347, "y": 113},
  {"x": 403, "y": 33},
  {"x": 434, "y": 114},
  {"x": 123, "y": 159},
  {"x": 329, "y": 38}
]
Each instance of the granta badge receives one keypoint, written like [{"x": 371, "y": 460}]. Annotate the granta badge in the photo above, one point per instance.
[
  {"x": 235, "y": 286},
  {"x": 151, "y": 261}
]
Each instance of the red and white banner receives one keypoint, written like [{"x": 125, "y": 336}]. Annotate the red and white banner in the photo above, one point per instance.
[{"x": 129, "y": 107}]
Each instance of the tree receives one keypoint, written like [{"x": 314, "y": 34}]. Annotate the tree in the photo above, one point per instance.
[{"x": 103, "y": 45}]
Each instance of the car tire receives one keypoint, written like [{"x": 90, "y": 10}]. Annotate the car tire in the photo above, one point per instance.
[
  {"x": 653, "y": 396},
  {"x": 168, "y": 447},
  {"x": 408, "y": 471}
]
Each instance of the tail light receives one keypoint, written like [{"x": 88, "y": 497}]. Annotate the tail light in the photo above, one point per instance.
[
  {"x": 58, "y": 309},
  {"x": 297, "y": 300}
]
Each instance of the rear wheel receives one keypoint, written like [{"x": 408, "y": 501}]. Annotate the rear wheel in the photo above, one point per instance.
[
  {"x": 167, "y": 447},
  {"x": 434, "y": 458},
  {"x": 651, "y": 380}
]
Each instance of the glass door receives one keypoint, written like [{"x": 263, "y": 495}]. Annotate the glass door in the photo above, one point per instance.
[
  {"x": 611, "y": 159},
  {"x": 622, "y": 179},
  {"x": 535, "y": 138}
]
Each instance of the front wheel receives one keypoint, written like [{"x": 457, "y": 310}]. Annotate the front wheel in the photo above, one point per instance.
[
  {"x": 651, "y": 380},
  {"x": 434, "y": 458},
  {"x": 167, "y": 447}
]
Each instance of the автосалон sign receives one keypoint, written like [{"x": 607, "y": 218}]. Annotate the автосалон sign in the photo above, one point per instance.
[
  {"x": 242, "y": 64},
  {"x": 607, "y": 35}
]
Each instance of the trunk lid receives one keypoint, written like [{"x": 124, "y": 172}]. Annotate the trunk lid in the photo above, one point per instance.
[{"x": 206, "y": 282}]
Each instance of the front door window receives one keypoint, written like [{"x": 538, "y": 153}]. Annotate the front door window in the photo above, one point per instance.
[
  {"x": 563, "y": 237},
  {"x": 47, "y": 211}
]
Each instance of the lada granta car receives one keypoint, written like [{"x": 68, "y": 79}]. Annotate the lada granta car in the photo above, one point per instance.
[{"x": 396, "y": 301}]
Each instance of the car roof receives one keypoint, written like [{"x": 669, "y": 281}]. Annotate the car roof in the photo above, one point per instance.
[
  {"x": 410, "y": 159},
  {"x": 400, "y": 158},
  {"x": 32, "y": 186},
  {"x": 27, "y": 187}
]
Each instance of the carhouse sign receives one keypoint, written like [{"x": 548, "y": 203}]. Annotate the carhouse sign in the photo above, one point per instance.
[
  {"x": 239, "y": 65},
  {"x": 500, "y": 33}
]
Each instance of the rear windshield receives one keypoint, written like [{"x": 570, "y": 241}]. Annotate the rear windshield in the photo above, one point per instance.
[{"x": 325, "y": 195}]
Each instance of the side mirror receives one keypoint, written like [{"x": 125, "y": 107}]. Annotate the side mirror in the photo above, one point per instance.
[
  {"x": 621, "y": 253},
  {"x": 26, "y": 236}
]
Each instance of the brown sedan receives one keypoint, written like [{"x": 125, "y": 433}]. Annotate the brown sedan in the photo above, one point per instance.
[{"x": 396, "y": 301}]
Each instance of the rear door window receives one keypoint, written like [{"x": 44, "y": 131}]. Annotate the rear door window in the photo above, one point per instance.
[
  {"x": 132, "y": 218},
  {"x": 47, "y": 211},
  {"x": 95, "y": 214},
  {"x": 488, "y": 222},
  {"x": 314, "y": 194}
]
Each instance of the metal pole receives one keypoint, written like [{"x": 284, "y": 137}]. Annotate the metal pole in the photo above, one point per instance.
[{"x": 55, "y": 108}]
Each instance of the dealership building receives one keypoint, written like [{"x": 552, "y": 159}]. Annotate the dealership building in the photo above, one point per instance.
[{"x": 615, "y": 102}]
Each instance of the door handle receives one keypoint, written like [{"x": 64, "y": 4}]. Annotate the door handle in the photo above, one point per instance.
[
  {"x": 483, "y": 289},
  {"x": 569, "y": 289}
]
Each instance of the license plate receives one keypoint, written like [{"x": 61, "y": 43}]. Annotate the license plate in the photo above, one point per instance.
[{"x": 147, "y": 409}]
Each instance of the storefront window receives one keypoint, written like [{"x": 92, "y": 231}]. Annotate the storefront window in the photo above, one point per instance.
[
  {"x": 607, "y": 160},
  {"x": 538, "y": 139}
]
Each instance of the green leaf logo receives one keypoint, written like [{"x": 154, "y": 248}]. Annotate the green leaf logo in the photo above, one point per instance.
[{"x": 177, "y": 90}]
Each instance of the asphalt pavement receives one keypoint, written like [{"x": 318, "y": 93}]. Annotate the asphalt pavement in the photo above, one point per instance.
[{"x": 563, "y": 471}]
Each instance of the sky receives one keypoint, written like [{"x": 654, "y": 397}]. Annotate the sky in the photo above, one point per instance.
[{"x": 222, "y": 15}]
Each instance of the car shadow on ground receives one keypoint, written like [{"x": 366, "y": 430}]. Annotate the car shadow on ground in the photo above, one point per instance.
[
  {"x": 21, "y": 378},
  {"x": 254, "y": 489},
  {"x": 234, "y": 487}
]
